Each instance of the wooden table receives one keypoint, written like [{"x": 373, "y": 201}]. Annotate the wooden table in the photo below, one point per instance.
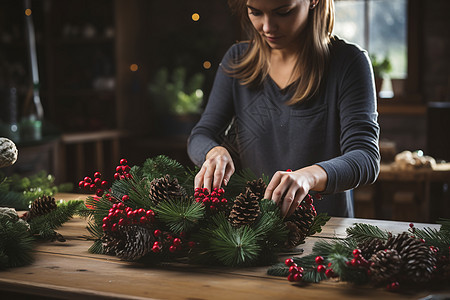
[{"x": 66, "y": 270}]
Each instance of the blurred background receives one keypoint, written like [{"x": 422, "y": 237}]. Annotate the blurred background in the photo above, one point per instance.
[{"x": 84, "y": 83}]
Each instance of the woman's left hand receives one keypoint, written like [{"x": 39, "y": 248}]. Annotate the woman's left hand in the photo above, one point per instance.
[{"x": 288, "y": 188}]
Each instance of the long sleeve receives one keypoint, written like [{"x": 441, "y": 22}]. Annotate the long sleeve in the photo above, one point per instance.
[
  {"x": 359, "y": 130},
  {"x": 216, "y": 117}
]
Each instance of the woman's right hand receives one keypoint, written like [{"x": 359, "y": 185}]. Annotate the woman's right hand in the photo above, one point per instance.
[{"x": 216, "y": 170}]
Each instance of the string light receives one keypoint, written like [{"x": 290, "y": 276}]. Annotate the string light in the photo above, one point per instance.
[
  {"x": 206, "y": 64},
  {"x": 28, "y": 12},
  {"x": 134, "y": 67},
  {"x": 195, "y": 17}
]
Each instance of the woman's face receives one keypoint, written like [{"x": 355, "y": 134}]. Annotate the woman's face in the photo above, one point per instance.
[{"x": 279, "y": 22}]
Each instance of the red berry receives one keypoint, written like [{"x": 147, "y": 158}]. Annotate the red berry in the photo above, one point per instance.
[
  {"x": 176, "y": 242},
  {"x": 321, "y": 268},
  {"x": 87, "y": 179},
  {"x": 87, "y": 185},
  {"x": 92, "y": 187},
  {"x": 157, "y": 244},
  {"x": 221, "y": 191},
  {"x": 156, "y": 249},
  {"x": 99, "y": 192},
  {"x": 298, "y": 276},
  {"x": 105, "y": 219},
  {"x": 81, "y": 184},
  {"x": 125, "y": 198},
  {"x": 191, "y": 244},
  {"x": 123, "y": 161},
  {"x": 289, "y": 262},
  {"x": 329, "y": 273},
  {"x": 319, "y": 260},
  {"x": 288, "y": 170},
  {"x": 97, "y": 175},
  {"x": 121, "y": 222},
  {"x": 393, "y": 286},
  {"x": 119, "y": 169},
  {"x": 114, "y": 227},
  {"x": 172, "y": 249},
  {"x": 308, "y": 200},
  {"x": 157, "y": 233},
  {"x": 291, "y": 277},
  {"x": 104, "y": 183},
  {"x": 116, "y": 176},
  {"x": 356, "y": 252},
  {"x": 224, "y": 200},
  {"x": 105, "y": 227},
  {"x": 293, "y": 269},
  {"x": 355, "y": 263},
  {"x": 97, "y": 181},
  {"x": 126, "y": 169},
  {"x": 143, "y": 220}
]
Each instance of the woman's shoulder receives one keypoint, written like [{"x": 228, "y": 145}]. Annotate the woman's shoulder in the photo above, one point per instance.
[
  {"x": 341, "y": 49},
  {"x": 238, "y": 49}
]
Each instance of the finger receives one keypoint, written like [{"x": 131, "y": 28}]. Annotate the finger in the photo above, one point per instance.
[
  {"x": 279, "y": 192},
  {"x": 218, "y": 175},
  {"x": 208, "y": 177},
  {"x": 228, "y": 172},
  {"x": 198, "y": 180},
  {"x": 289, "y": 200},
  {"x": 274, "y": 182},
  {"x": 298, "y": 198}
]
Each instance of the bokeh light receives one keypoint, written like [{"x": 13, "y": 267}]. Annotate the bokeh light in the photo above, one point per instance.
[
  {"x": 206, "y": 64},
  {"x": 28, "y": 12},
  {"x": 195, "y": 17},
  {"x": 134, "y": 67}
]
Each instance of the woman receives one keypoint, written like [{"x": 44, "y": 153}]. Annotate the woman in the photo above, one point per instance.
[{"x": 300, "y": 99}]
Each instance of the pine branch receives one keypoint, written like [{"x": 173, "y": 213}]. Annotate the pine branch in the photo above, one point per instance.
[
  {"x": 16, "y": 200},
  {"x": 433, "y": 237},
  {"x": 161, "y": 165},
  {"x": 364, "y": 232},
  {"x": 279, "y": 269},
  {"x": 230, "y": 246},
  {"x": 136, "y": 188},
  {"x": 319, "y": 221},
  {"x": 44, "y": 226},
  {"x": 270, "y": 226},
  {"x": 180, "y": 214},
  {"x": 96, "y": 247},
  {"x": 16, "y": 243},
  {"x": 445, "y": 224},
  {"x": 238, "y": 182}
]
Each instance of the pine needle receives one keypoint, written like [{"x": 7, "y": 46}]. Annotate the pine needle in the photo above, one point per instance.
[
  {"x": 161, "y": 165},
  {"x": 319, "y": 221},
  {"x": 279, "y": 269},
  {"x": 364, "y": 232},
  {"x": 180, "y": 214}
]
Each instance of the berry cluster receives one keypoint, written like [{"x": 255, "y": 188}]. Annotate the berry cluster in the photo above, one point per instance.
[
  {"x": 321, "y": 268},
  {"x": 295, "y": 272},
  {"x": 122, "y": 170},
  {"x": 96, "y": 185},
  {"x": 358, "y": 261},
  {"x": 167, "y": 241},
  {"x": 213, "y": 201},
  {"x": 121, "y": 215}
]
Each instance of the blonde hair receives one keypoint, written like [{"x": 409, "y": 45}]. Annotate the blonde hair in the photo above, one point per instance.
[{"x": 253, "y": 67}]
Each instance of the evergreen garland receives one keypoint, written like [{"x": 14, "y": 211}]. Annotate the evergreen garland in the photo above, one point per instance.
[
  {"x": 192, "y": 223},
  {"x": 343, "y": 258}
]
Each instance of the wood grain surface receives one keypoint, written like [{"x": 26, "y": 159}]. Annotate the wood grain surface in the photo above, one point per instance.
[{"x": 66, "y": 270}]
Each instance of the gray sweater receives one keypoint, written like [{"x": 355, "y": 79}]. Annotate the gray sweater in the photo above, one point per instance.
[{"x": 336, "y": 129}]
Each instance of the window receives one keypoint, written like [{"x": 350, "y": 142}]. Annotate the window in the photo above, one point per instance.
[{"x": 380, "y": 27}]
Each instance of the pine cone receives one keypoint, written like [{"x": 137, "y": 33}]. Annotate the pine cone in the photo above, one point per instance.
[
  {"x": 41, "y": 206},
  {"x": 245, "y": 209},
  {"x": 419, "y": 260},
  {"x": 129, "y": 242},
  {"x": 303, "y": 218},
  {"x": 258, "y": 187},
  {"x": 385, "y": 265},
  {"x": 370, "y": 247},
  {"x": 165, "y": 188},
  {"x": 138, "y": 241}
]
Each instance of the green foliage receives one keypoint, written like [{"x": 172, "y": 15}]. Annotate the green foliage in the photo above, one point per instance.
[
  {"x": 174, "y": 94},
  {"x": 18, "y": 192},
  {"x": 238, "y": 182},
  {"x": 364, "y": 232},
  {"x": 181, "y": 214},
  {"x": 16, "y": 242},
  {"x": 279, "y": 269},
  {"x": 44, "y": 226},
  {"x": 319, "y": 221},
  {"x": 381, "y": 67},
  {"x": 161, "y": 165},
  {"x": 229, "y": 245},
  {"x": 437, "y": 238}
]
